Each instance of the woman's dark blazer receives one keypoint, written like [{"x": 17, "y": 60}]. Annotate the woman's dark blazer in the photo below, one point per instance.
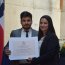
[{"x": 49, "y": 51}]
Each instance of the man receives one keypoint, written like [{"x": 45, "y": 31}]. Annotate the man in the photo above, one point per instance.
[{"x": 25, "y": 31}]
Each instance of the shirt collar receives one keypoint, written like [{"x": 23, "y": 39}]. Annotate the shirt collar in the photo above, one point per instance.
[{"x": 28, "y": 30}]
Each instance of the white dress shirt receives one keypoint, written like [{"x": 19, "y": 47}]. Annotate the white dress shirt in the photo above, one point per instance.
[{"x": 23, "y": 33}]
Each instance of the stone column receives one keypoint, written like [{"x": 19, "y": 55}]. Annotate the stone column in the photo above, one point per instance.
[{"x": 62, "y": 24}]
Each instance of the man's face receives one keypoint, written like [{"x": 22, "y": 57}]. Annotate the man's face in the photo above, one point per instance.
[{"x": 26, "y": 22}]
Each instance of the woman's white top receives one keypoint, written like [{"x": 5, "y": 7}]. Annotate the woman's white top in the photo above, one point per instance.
[{"x": 40, "y": 42}]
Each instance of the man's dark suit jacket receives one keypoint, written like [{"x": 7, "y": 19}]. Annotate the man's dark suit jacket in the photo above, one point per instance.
[
  {"x": 49, "y": 51},
  {"x": 15, "y": 33}
]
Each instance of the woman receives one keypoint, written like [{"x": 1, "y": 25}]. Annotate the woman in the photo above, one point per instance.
[{"x": 48, "y": 43}]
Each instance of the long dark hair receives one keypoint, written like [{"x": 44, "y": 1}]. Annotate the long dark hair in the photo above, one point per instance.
[{"x": 50, "y": 26}]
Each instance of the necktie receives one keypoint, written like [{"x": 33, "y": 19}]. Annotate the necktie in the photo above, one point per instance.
[{"x": 26, "y": 33}]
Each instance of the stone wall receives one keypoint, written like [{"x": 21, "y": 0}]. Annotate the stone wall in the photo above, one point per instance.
[{"x": 13, "y": 8}]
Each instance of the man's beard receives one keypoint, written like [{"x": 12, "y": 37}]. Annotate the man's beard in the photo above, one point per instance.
[{"x": 27, "y": 28}]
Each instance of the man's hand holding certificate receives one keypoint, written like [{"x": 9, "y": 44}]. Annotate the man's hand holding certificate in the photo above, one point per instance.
[{"x": 23, "y": 48}]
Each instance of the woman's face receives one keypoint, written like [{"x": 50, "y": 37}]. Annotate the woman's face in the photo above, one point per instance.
[{"x": 43, "y": 25}]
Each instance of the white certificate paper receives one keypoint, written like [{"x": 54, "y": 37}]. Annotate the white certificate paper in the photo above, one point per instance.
[{"x": 23, "y": 48}]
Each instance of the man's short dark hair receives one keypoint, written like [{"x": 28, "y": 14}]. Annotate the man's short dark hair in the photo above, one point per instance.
[{"x": 26, "y": 14}]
